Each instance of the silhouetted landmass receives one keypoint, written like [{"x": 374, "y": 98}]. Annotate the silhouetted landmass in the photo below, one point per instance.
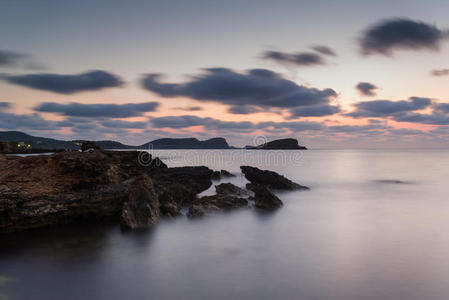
[
  {"x": 39, "y": 144},
  {"x": 187, "y": 143},
  {"x": 282, "y": 144}
]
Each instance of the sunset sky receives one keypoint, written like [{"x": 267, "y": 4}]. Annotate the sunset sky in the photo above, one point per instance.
[{"x": 334, "y": 74}]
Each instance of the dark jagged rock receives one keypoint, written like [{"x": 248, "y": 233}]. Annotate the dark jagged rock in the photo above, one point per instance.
[
  {"x": 227, "y": 198},
  {"x": 197, "y": 179},
  {"x": 282, "y": 144},
  {"x": 264, "y": 198},
  {"x": 142, "y": 208},
  {"x": 269, "y": 179},
  {"x": 230, "y": 189},
  {"x": 172, "y": 196},
  {"x": 216, "y": 175},
  {"x": 179, "y": 186},
  {"x": 217, "y": 202},
  {"x": 89, "y": 146},
  {"x": 63, "y": 188}
]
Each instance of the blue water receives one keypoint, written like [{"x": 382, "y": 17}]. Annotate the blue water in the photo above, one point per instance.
[{"x": 357, "y": 234}]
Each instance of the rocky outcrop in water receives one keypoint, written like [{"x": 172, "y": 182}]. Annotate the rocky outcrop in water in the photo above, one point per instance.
[
  {"x": 141, "y": 210},
  {"x": 72, "y": 186},
  {"x": 270, "y": 179},
  {"x": 228, "y": 197},
  {"x": 264, "y": 198},
  {"x": 216, "y": 175}
]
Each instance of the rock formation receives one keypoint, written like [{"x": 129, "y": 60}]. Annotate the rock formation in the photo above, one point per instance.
[
  {"x": 264, "y": 198},
  {"x": 142, "y": 207},
  {"x": 269, "y": 179},
  {"x": 228, "y": 197},
  {"x": 72, "y": 186},
  {"x": 216, "y": 175}
]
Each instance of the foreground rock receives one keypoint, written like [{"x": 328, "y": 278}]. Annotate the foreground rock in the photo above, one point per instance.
[
  {"x": 72, "y": 186},
  {"x": 228, "y": 197},
  {"x": 270, "y": 179},
  {"x": 264, "y": 198},
  {"x": 142, "y": 208}
]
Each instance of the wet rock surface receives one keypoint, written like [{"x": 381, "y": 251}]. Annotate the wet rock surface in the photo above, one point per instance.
[
  {"x": 270, "y": 179},
  {"x": 216, "y": 175},
  {"x": 228, "y": 197},
  {"x": 264, "y": 198},
  {"x": 142, "y": 207}
]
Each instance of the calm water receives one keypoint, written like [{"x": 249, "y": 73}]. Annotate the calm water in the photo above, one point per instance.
[{"x": 354, "y": 235}]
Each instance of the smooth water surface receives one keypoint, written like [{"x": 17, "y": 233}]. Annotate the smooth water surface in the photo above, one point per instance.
[{"x": 373, "y": 226}]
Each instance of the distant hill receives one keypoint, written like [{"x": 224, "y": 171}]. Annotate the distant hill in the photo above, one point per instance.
[
  {"x": 282, "y": 144},
  {"x": 36, "y": 142},
  {"x": 187, "y": 143},
  {"x": 166, "y": 143}
]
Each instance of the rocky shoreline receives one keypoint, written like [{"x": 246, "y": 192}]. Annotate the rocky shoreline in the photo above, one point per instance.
[{"x": 72, "y": 186}]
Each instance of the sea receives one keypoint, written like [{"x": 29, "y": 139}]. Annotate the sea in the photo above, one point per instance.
[{"x": 373, "y": 226}]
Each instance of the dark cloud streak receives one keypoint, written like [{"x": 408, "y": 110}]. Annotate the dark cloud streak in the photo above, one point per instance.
[
  {"x": 74, "y": 109},
  {"x": 399, "y": 33},
  {"x": 66, "y": 84}
]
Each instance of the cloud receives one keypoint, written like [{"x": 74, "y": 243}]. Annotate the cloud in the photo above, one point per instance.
[
  {"x": 16, "y": 59},
  {"x": 314, "y": 111},
  {"x": 434, "y": 118},
  {"x": 366, "y": 88},
  {"x": 441, "y": 72},
  {"x": 10, "y": 58},
  {"x": 26, "y": 121},
  {"x": 182, "y": 122},
  {"x": 406, "y": 131},
  {"x": 259, "y": 88},
  {"x": 74, "y": 109},
  {"x": 399, "y": 33},
  {"x": 324, "y": 50},
  {"x": 186, "y": 121},
  {"x": 66, "y": 84},
  {"x": 385, "y": 108},
  {"x": 124, "y": 124},
  {"x": 4, "y": 105},
  {"x": 190, "y": 108},
  {"x": 243, "y": 109},
  {"x": 299, "y": 59}
]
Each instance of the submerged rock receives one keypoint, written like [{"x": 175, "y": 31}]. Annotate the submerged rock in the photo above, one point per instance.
[
  {"x": 142, "y": 208},
  {"x": 270, "y": 179},
  {"x": 264, "y": 198}
]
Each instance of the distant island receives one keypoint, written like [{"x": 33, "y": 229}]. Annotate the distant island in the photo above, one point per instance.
[
  {"x": 282, "y": 144},
  {"x": 18, "y": 142}
]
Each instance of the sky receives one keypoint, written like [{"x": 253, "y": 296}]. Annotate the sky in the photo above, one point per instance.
[{"x": 333, "y": 74}]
